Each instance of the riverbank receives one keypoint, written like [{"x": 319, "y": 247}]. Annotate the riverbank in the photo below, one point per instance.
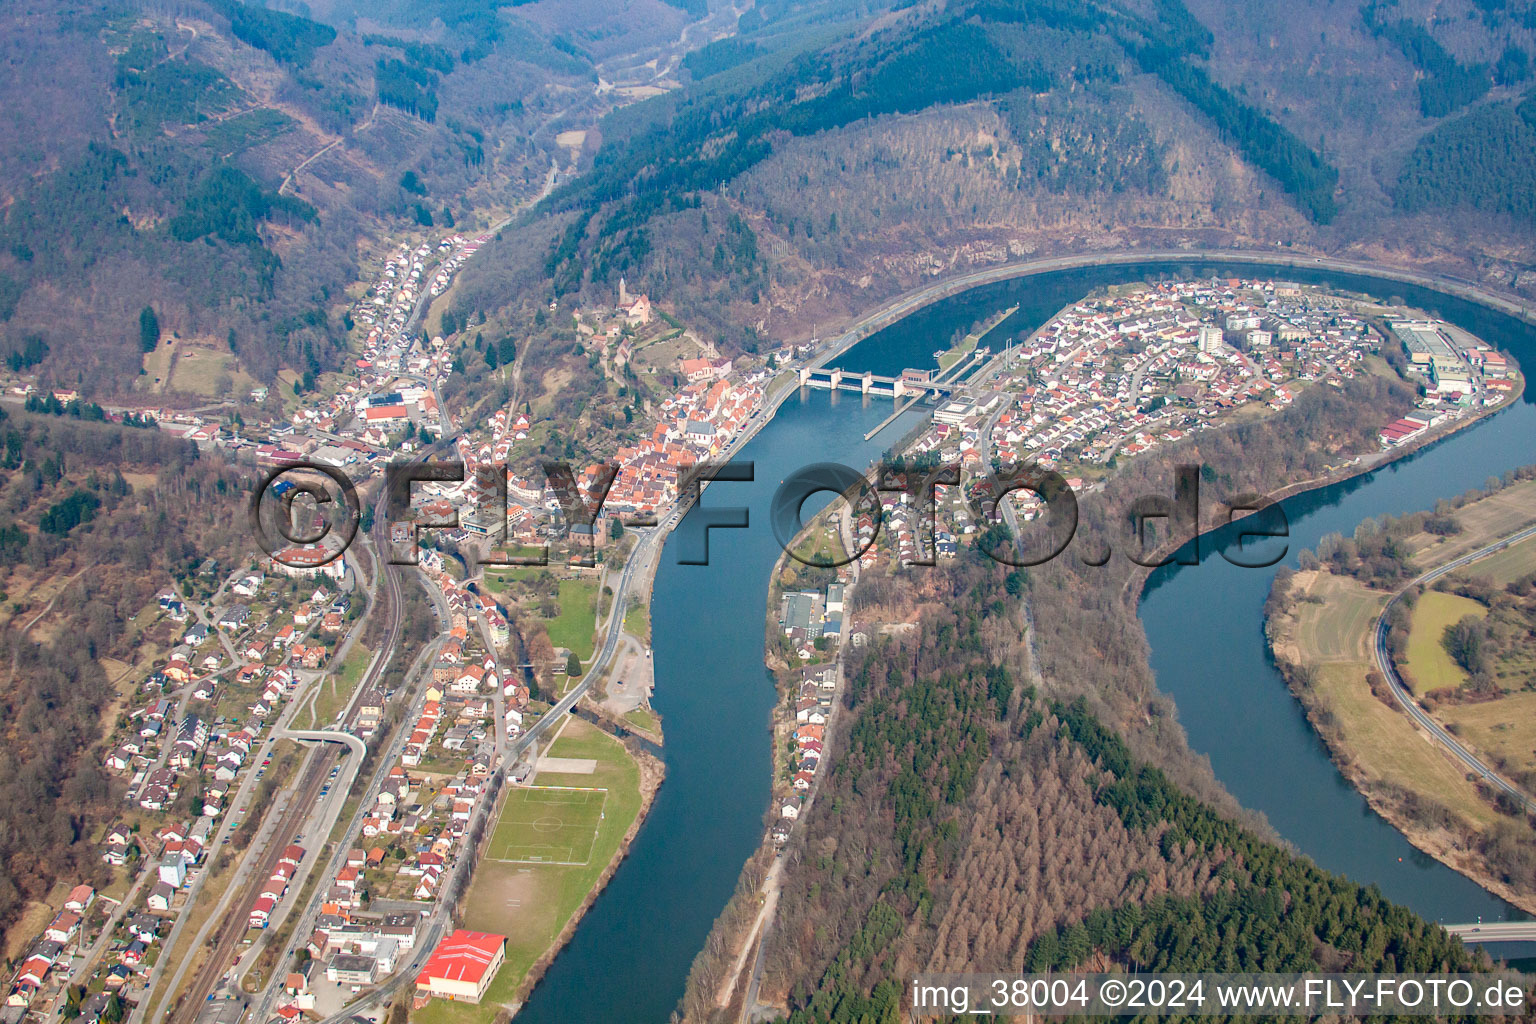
[
  {"x": 1399, "y": 771},
  {"x": 652, "y": 772},
  {"x": 1435, "y": 762},
  {"x": 522, "y": 888},
  {"x": 1356, "y": 467},
  {"x": 926, "y": 295},
  {"x": 723, "y": 980}
]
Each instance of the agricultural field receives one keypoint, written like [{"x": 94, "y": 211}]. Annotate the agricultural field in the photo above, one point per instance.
[
  {"x": 1373, "y": 736},
  {"x": 1504, "y": 567},
  {"x": 1338, "y": 628},
  {"x": 1503, "y": 728},
  {"x": 1428, "y": 666},
  {"x": 1484, "y": 521}
]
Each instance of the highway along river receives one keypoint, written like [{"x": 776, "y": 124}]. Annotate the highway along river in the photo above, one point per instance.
[{"x": 629, "y": 958}]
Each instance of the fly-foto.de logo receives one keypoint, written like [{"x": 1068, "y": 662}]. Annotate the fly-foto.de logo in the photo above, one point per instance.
[{"x": 316, "y": 532}]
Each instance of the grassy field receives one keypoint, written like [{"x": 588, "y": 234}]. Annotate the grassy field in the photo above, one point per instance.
[
  {"x": 336, "y": 690},
  {"x": 950, "y": 358},
  {"x": 1334, "y": 637},
  {"x": 783, "y": 382},
  {"x": 157, "y": 364},
  {"x": 664, "y": 356},
  {"x": 530, "y": 903},
  {"x": 1500, "y": 568},
  {"x": 1483, "y": 522},
  {"x": 968, "y": 344},
  {"x": 574, "y": 626},
  {"x": 1428, "y": 667},
  {"x": 637, "y": 621},
  {"x": 202, "y": 371},
  {"x": 1503, "y": 728},
  {"x": 1339, "y": 629},
  {"x": 548, "y": 825},
  {"x": 643, "y": 718},
  {"x": 496, "y": 579}
]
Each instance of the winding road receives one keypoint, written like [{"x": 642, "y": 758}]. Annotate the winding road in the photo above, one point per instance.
[
  {"x": 1405, "y": 699},
  {"x": 641, "y": 556},
  {"x": 916, "y": 299}
]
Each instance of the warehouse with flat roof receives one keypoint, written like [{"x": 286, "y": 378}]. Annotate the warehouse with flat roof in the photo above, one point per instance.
[{"x": 1423, "y": 341}]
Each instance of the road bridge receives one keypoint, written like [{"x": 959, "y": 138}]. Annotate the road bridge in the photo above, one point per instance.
[{"x": 1494, "y": 931}]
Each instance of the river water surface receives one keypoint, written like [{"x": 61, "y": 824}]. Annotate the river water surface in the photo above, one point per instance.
[{"x": 629, "y": 958}]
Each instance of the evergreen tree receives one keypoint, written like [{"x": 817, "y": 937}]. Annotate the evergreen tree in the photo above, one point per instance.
[{"x": 149, "y": 329}]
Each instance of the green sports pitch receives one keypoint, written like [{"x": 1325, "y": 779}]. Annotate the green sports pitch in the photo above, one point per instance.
[{"x": 548, "y": 825}]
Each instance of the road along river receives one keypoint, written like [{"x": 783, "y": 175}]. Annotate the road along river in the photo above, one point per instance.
[{"x": 629, "y": 958}]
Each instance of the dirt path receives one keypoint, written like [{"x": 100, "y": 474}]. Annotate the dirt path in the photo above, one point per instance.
[
  {"x": 39, "y": 616},
  {"x": 317, "y": 154}
]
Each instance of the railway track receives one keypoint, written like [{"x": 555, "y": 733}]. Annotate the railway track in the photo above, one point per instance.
[
  {"x": 313, "y": 774},
  {"x": 227, "y": 939}
]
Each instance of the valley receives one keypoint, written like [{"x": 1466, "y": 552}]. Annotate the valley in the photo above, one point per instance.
[{"x": 283, "y": 739}]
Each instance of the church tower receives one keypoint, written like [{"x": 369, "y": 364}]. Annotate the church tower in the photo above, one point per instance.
[{"x": 623, "y": 292}]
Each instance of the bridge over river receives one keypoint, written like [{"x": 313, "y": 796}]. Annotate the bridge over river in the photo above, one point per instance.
[{"x": 1495, "y": 931}]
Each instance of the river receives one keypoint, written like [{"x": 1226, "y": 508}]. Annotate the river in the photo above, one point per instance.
[{"x": 629, "y": 958}]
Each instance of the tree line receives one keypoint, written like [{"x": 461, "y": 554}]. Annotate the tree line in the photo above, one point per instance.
[{"x": 1482, "y": 159}]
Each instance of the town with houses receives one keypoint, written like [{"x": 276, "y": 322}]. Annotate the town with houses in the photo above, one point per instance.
[
  {"x": 253, "y": 663},
  {"x": 275, "y": 647},
  {"x": 1112, "y": 378}
]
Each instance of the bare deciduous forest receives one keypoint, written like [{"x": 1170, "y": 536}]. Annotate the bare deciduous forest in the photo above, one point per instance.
[{"x": 985, "y": 813}]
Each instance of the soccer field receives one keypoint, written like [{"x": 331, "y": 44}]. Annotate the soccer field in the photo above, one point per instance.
[{"x": 548, "y": 825}]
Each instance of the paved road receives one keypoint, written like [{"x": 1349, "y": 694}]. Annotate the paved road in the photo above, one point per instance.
[
  {"x": 1495, "y": 931},
  {"x": 927, "y": 294},
  {"x": 239, "y": 807},
  {"x": 641, "y": 556},
  {"x": 1405, "y": 699}
]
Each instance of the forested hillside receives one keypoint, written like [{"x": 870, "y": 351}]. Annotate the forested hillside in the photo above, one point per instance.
[
  {"x": 1481, "y": 159},
  {"x": 85, "y": 550},
  {"x": 1055, "y": 71},
  {"x": 228, "y": 165},
  {"x": 811, "y": 167},
  {"x": 987, "y": 812}
]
